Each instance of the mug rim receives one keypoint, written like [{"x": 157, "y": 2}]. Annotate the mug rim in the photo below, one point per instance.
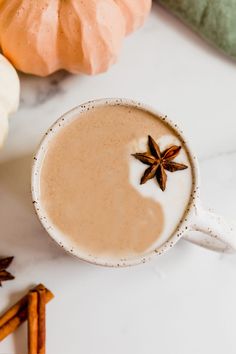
[{"x": 64, "y": 242}]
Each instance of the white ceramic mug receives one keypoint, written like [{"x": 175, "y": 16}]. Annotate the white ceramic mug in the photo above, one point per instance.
[{"x": 198, "y": 225}]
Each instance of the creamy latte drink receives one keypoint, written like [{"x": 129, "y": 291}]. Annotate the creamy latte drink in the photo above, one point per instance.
[{"x": 90, "y": 181}]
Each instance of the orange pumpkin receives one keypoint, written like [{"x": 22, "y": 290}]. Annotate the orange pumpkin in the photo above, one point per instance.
[{"x": 40, "y": 37}]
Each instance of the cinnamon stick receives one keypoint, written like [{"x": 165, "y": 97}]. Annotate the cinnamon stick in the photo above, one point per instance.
[
  {"x": 13, "y": 324},
  {"x": 33, "y": 322},
  {"x": 17, "y": 314},
  {"x": 13, "y": 311},
  {"x": 41, "y": 321}
]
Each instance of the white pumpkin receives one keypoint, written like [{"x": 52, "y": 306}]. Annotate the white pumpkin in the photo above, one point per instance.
[{"x": 9, "y": 94}]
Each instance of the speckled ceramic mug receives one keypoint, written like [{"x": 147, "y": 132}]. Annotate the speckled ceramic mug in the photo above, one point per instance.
[{"x": 197, "y": 225}]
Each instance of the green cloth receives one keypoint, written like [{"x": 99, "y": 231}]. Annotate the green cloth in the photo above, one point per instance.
[{"x": 215, "y": 20}]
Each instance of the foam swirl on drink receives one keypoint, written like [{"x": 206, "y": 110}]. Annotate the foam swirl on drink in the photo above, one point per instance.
[{"x": 90, "y": 184}]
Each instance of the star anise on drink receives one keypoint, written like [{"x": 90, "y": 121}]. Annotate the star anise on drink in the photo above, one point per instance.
[
  {"x": 159, "y": 162},
  {"x": 4, "y": 264}
]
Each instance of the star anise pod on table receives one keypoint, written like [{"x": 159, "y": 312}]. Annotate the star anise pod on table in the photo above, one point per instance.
[
  {"x": 4, "y": 264},
  {"x": 159, "y": 162}
]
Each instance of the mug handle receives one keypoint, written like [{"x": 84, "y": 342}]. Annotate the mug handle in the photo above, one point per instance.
[{"x": 212, "y": 231}]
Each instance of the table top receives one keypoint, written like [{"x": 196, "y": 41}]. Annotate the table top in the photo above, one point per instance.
[{"x": 180, "y": 303}]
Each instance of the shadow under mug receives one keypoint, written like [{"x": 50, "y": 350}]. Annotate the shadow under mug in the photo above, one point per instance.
[{"x": 197, "y": 225}]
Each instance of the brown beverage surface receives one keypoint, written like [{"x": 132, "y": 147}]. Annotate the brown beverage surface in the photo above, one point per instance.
[{"x": 85, "y": 183}]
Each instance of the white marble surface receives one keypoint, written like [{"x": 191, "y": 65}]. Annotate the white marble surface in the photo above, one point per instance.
[{"x": 181, "y": 303}]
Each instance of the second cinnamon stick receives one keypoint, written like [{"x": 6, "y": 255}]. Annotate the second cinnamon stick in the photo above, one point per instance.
[
  {"x": 41, "y": 321},
  {"x": 33, "y": 322}
]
